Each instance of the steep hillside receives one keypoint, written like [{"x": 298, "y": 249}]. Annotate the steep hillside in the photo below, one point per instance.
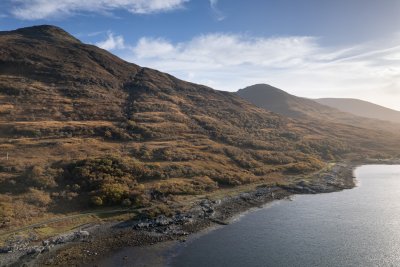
[
  {"x": 279, "y": 101},
  {"x": 80, "y": 127},
  {"x": 362, "y": 108}
]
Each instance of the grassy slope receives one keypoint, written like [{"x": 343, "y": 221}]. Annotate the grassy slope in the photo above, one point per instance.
[{"x": 64, "y": 104}]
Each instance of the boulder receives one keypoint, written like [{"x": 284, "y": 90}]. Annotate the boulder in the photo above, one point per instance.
[
  {"x": 142, "y": 225},
  {"x": 163, "y": 221},
  {"x": 83, "y": 234},
  {"x": 5, "y": 249},
  {"x": 35, "y": 250}
]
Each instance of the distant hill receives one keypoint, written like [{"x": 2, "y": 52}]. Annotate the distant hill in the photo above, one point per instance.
[
  {"x": 362, "y": 108},
  {"x": 281, "y": 102}
]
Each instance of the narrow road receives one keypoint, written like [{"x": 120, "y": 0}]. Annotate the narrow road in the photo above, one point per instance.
[{"x": 83, "y": 214}]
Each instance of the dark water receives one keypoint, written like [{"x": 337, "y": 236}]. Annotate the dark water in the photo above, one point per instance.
[{"x": 358, "y": 227}]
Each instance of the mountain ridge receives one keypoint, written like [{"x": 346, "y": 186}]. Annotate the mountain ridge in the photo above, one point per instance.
[
  {"x": 82, "y": 128},
  {"x": 362, "y": 108},
  {"x": 281, "y": 102}
]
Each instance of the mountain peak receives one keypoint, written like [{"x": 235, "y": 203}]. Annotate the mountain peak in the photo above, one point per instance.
[
  {"x": 264, "y": 89},
  {"x": 46, "y": 32},
  {"x": 262, "y": 94}
]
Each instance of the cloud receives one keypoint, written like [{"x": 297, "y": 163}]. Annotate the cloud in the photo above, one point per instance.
[
  {"x": 224, "y": 50},
  {"x": 44, "y": 9},
  {"x": 218, "y": 14},
  {"x": 154, "y": 48},
  {"x": 298, "y": 64},
  {"x": 112, "y": 42},
  {"x": 92, "y": 34}
]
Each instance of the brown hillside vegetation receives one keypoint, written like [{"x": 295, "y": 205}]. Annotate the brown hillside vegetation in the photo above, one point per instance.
[{"x": 82, "y": 127}]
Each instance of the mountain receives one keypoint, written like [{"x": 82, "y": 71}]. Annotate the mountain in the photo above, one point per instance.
[
  {"x": 362, "y": 108},
  {"x": 281, "y": 102},
  {"x": 80, "y": 126},
  {"x": 271, "y": 98}
]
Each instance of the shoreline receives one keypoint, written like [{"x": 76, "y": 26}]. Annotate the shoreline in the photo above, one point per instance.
[
  {"x": 204, "y": 215},
  {"x": 161, "y": 254}
]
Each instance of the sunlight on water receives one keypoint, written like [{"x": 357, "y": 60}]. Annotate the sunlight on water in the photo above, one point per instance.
[{"x": 358, "y": 227}]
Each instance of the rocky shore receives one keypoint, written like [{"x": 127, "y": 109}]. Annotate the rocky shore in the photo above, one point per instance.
[
  {"x": 205, "y": 213},
  {"x": 85, "y": 246}
]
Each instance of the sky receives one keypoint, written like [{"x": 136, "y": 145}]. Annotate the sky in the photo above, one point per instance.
[{"x": 309, "y": 48}]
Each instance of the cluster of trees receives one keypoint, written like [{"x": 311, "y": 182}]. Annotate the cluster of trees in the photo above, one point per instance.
[{"x": 108, "y": 181}]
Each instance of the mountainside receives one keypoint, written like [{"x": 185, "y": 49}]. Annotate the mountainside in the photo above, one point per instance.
[
  {"x": 82, "y": 127},
  {"x": 362, "y": 108},
  {"x": 279, "y": 101}
]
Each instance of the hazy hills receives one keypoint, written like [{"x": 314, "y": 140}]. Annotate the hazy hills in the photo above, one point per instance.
[
  {"x": 362, "y": 108},
  {"x": 81, "y": 126},
  {"x": 339, "y": 111}
]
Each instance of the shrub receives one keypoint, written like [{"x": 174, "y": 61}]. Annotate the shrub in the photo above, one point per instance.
[
  {"x": 160, "y": 209},
  {"x": 37, "y": 197},
  {"x": 5, "y": 214},
  {"x": 302, "y": 167},
  {"x": 113, "y": 193},
  {"x": 41, "y": 178},
  {"x": 96, "y": 200},
  {"x": 108, "y": 134},
  {"x": 126, "y": 202},
  {"x": 145, "y": 153},
  {"x": 204, "y": 183}
]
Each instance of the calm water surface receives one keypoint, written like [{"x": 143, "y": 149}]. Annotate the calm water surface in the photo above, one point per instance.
[{"x": 358, "y": 227}]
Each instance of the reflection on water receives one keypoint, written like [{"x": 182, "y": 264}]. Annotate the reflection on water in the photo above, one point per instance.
[{"x": 357, "y": 227}]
